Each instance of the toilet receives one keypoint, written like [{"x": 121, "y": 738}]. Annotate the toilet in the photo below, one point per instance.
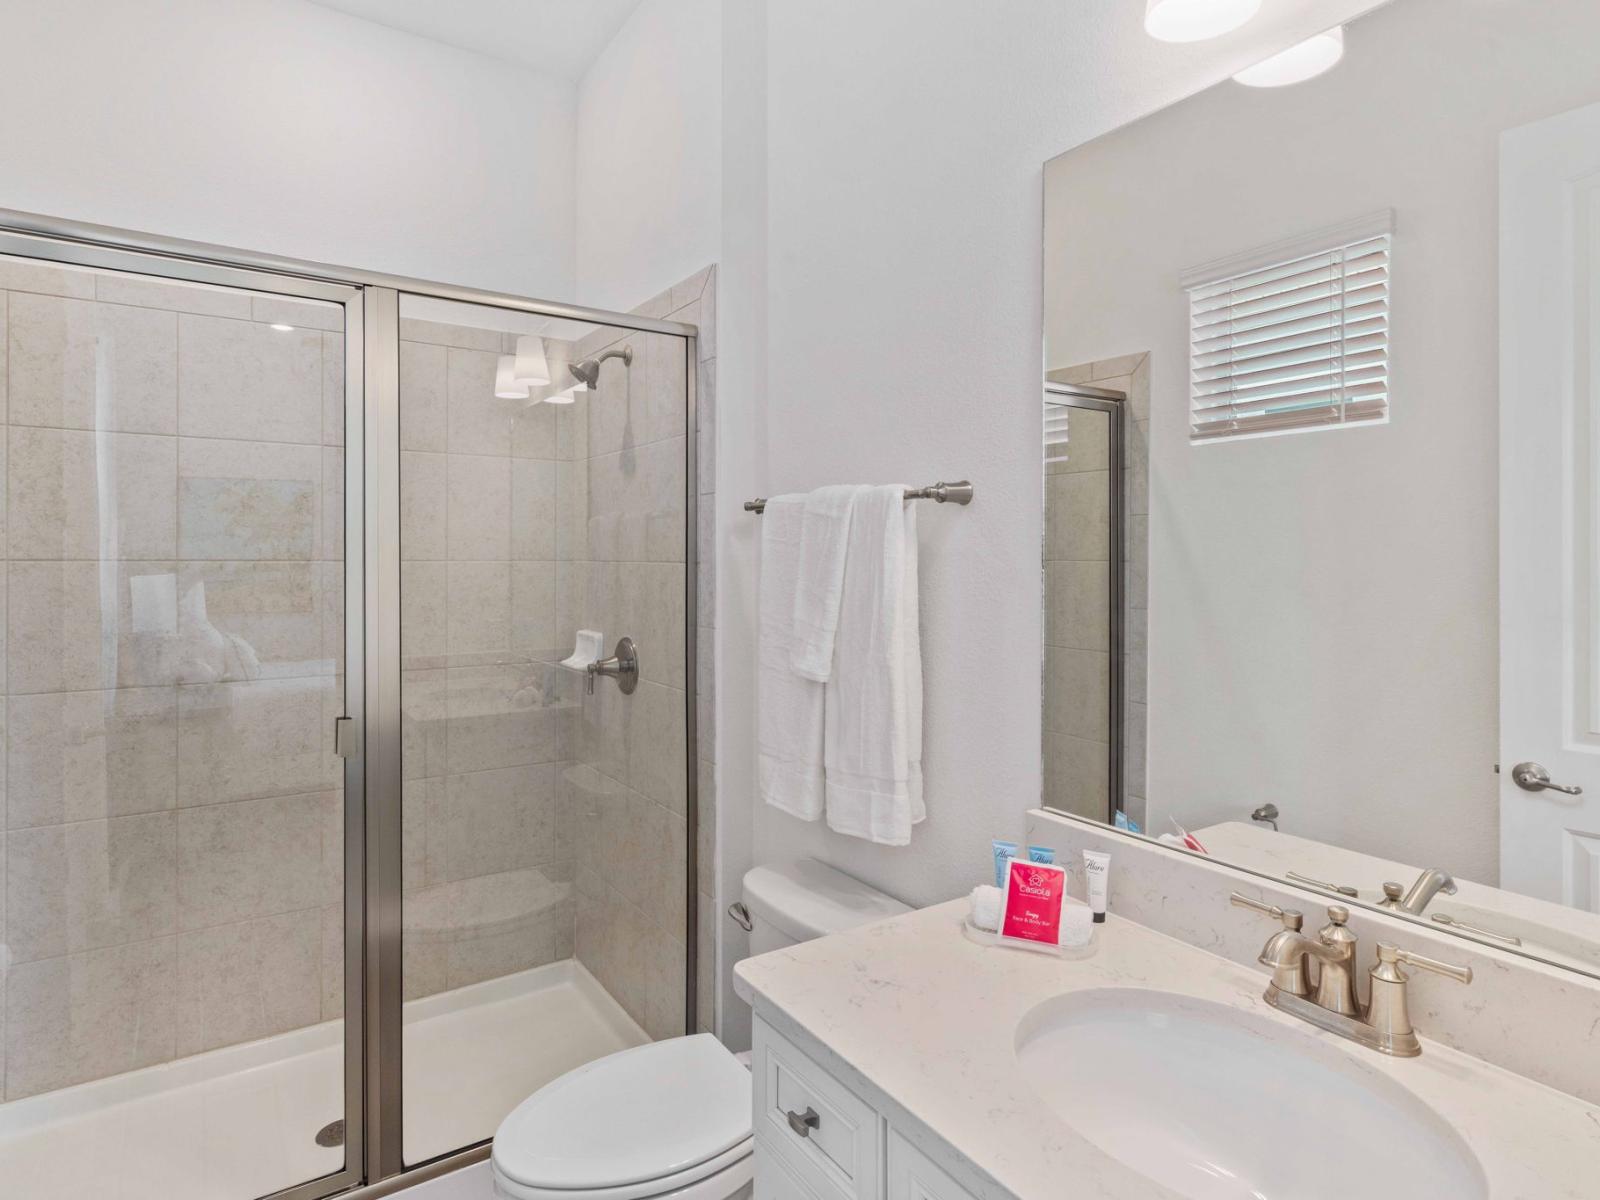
[{"x": 670, "y": 1119}]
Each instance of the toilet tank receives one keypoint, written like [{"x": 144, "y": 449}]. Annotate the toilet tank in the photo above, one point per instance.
[{"x": 797, "y": 901}]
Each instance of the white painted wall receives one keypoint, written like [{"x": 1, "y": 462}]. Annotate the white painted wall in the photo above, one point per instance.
[
  {"x": 903, "y": 176},
  {"x": 649, "y": 154},
  {"x": 878, "y": 182},
  {"x": 1323, "y": 607},
  {"x": 281, "y": 126}
]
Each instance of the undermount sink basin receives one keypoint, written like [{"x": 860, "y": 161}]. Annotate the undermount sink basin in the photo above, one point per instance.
[{"x": 1219, "y": 1104}]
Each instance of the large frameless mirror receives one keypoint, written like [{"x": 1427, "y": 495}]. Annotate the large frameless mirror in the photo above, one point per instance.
[{"x": 1354, "y": 343}]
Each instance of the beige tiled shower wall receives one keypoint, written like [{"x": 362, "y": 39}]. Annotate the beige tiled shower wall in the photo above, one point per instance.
[
  {"x": 1076, "y": 622},
  {"x": 171, "y": 861},
  {"x": 622, "y": 549},
  {"x": 488, "y": 717}
]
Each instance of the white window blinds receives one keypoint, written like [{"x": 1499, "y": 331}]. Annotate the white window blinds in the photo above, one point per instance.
[
  {"x": 1055, "y": 432},
  {"x": 1292, "y": 339}
]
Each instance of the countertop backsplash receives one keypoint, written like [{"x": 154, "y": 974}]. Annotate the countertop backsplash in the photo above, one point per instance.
[{"x": 1536, "y": 1020}]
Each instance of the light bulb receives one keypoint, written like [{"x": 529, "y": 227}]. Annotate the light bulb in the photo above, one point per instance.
[
  {"x": 1298, "y": 63},
  {"x": 1195, "y": 20},
  {"x": 531, "y": 366},
  {"x": 506, "y": 386}
]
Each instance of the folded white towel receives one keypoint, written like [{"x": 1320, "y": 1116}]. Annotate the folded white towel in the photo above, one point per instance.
[
  {"x": 910, "y": 597},
  {"x": 985, "y": 904},
  {"x": 789, "y": 731},
  {"x": 873, "y": 742},
  {"x": 1077, "y": 925},
  {"x": 824, "y": 537}
]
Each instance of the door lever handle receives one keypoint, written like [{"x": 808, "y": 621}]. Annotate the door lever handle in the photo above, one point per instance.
[{"x": 1531, "y": 777}]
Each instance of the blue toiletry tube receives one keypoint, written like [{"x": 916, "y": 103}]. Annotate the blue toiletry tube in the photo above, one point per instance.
[
  {"x": 1004, "y": 852},
  {"x": 1041, "y": 854}
]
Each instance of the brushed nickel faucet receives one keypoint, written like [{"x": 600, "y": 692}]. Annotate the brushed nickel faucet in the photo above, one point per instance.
[
  {"x": 1384, "y": 1022},
  {"x": 1428, "y": 885}
]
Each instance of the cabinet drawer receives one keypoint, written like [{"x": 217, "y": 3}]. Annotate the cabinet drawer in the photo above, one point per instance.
[{"x": 818, "y": 1127}]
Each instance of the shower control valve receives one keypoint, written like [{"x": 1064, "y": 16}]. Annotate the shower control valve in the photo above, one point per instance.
[{"x": 623, "y": 666}]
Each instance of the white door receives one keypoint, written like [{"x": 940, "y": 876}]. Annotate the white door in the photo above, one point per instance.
[{"x": 1550, "y": 505}]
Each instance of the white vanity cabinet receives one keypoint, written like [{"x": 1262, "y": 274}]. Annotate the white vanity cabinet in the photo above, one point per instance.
[{"x": 817, "y": 1140}]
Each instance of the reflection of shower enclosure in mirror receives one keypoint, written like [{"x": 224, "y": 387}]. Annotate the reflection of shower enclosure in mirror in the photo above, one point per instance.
[
  {"x": 1084, "y": 590},
  {"x": 314, "y": 860}
]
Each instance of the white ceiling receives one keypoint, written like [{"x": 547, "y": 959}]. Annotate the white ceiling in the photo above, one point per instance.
[{"x": 556, "y": 37}]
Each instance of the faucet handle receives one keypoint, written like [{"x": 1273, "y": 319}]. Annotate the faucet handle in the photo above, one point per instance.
[
  {"x": 1388, "y": 1008},
  {"x": 1389, "y": 956},
  {"x": 1292, "y": 918}
]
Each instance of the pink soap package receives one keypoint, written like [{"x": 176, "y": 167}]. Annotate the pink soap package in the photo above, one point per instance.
[{"x": 1037, "y": 915}]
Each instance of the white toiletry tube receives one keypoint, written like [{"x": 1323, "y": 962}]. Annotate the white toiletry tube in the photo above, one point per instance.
[{"x": 1097, "y": 869}]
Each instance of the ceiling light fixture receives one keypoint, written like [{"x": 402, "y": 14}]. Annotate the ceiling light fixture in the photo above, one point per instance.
[
  {"x": 1298, "y": 63},
  {"x": 506, "y": 386},
  {"x": 531, "y": 366},
  {"x": 1195, "y": 20},
  {"x": 281, "y": 328},
  {"x": 567, "y": 396}
]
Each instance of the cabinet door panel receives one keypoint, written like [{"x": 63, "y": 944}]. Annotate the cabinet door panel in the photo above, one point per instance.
[{"x": 913, "y": 1176}]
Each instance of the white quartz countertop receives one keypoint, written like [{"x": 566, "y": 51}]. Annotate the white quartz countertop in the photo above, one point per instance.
[{"x": 929, "y": 1018}]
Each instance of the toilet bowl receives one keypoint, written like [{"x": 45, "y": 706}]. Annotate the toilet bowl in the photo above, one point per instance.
[{"x": 670, "y": 1119}]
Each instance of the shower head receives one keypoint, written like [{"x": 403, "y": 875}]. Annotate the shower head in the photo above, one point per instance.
[{"x": 587, "y": 371}]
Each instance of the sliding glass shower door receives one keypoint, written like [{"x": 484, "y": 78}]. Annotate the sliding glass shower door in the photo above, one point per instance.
[
  {"x": 545, "y": 822},
  {"x": 172, "y": 977}
]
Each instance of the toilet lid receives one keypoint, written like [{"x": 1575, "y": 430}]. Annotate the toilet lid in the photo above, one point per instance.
[{"x": 637, "y": 1115}]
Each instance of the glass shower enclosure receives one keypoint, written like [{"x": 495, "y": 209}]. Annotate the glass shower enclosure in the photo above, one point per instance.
[{"x": 322, "y": 848}]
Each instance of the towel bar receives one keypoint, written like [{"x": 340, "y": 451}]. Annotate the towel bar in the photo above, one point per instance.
[{"x": 959, "y": 492}]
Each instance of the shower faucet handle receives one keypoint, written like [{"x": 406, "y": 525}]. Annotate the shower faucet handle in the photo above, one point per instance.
[{"x": 623, "y": 666}]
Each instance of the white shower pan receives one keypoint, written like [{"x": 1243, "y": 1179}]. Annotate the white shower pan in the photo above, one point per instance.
[{"x": 241, "y": 1122}]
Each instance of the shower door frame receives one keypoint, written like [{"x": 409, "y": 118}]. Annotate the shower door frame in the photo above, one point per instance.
[
  {"x": 43, "y": 239},
  {"x": 1114, "y": 405},
  {"x": 373, "y": 1007}
]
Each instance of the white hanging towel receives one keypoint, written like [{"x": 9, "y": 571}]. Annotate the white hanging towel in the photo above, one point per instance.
[
  {"x": 824, "y": 537},
  {"x": 873, "y": 739},
  {"x": 789, "y": 731}
]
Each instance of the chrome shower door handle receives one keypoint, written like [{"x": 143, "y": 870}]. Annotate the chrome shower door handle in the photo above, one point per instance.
[
  {"x": 1531, "y": 777},
  {"x": 803, "y": 1123}
]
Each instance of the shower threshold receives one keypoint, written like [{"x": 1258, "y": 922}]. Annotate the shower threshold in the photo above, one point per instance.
[{"x": 242, "y": 1122}]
